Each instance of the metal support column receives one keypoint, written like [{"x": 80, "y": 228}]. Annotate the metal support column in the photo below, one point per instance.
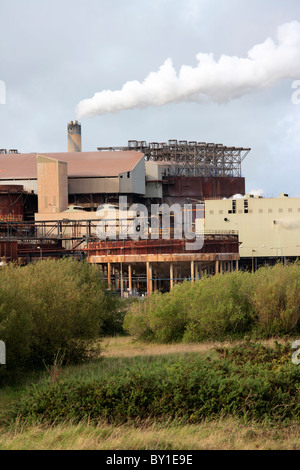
[
  {"x": 109, "y": 274},
  {"x": 192, "y": 271},
  {"x": 130, "y": 278},
  {"x": 149, "y": 277},
  {"x": 171, "y": 276}
]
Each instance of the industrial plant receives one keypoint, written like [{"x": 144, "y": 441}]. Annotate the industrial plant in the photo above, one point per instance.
[{"x": 51, "y": 205}]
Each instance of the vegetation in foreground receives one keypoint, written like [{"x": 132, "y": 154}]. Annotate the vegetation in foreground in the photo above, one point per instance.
[
  {"x": 250, "y": 381},
  {"x": 53, "y": 307},
  {"x": 211, "y": 432},
  {"x": 240, "y": 304},
  {"x": 234, "y": 395},
  {"x": 223, "y": 434}
]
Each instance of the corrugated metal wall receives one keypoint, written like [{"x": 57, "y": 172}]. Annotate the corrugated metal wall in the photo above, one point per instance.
[{"x": 180, "y": 187}]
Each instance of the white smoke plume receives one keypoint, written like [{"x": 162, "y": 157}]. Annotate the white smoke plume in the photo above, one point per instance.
[
  {"x": 288, "y": 224},
  {"x": 256, "y": 192},
  {"x": 220, "y": 81}
]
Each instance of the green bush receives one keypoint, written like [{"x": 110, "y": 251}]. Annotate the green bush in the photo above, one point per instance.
[
  {"x": 50, "y": 306},
  {"x": 230, "y": 305},
  {"x": 213, "y": 307},
  {"x": 160, "y": 317},
  {"x": 277, "y": 299},
  {"x": 251, "y": 383},
  {"x": 219, "y": 307}
]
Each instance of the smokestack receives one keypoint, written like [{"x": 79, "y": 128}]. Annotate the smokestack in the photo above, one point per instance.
[{"x": 74, "y": 136}]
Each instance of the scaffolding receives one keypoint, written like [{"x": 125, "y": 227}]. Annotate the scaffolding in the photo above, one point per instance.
[{"x": 190, "y": 158}]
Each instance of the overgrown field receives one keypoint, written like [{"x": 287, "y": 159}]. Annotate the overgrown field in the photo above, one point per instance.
[
  {"x": 248, "y": 381},
  {"x": 235, "y": 396},
  {"x": 233, "y": 305},
  {"x": 212, "y": 359}
]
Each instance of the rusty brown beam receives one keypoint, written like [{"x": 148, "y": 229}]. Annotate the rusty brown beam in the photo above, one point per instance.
[{"x": 164, "y": 258}]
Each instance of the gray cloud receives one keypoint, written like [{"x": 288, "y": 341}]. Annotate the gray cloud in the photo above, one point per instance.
[{"x": 53, "y": 54}]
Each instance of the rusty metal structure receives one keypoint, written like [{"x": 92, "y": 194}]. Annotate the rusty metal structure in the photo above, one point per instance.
[
  {"x": 31, "y": 240},
  {"x": 142, "y": 265},
  {"x": 193, "y": 171},
  {"x": 191, "y": 158},
  {"x": 49, "y": 230},
  {"x": 16, "y": 204},
  {"x": 8, "y": 251},
  {"x": 182, "y": 189},
  {"x": 223, "y": 242},
  {"x": 149, "y": 265},
  {"x": 11, "y": 202}
]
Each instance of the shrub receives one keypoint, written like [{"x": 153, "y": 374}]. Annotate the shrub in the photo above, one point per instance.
[
  {"x": 136, "y": 320},
  {"x": 50, "y": 306},
  {"x": 210, "y": 308},
  {"x": 229, "y": 305},
  {"x": 220, "y": 306},
  {"x": 160, "y": 317},
  {"x": 252, "y": 384},
  {"x": 277, "y": 299}
]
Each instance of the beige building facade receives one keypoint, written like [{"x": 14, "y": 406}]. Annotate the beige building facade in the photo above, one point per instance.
[
  {"x": 52, "y": 176},
  {"x": 267, "y": 227}
]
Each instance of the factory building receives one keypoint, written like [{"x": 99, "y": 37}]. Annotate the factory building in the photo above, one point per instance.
[
  {"x": 90, "y": 178},
  {"x": 170, "y": 172},
  {"x": 50, "y": 203},
  {"x": 49, "y": 206},
  {"x": 182, "y": 171}
]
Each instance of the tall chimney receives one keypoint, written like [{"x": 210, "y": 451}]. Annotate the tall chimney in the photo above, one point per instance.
[{"x": 74, "y": 136}]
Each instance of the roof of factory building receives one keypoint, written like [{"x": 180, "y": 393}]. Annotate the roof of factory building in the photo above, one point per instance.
[{"x": 80, "y": 164}]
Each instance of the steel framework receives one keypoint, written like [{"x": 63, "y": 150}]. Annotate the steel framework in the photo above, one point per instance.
[{"x": 191, "y": 158}]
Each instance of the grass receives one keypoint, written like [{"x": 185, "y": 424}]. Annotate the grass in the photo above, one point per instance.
[
  {"x": 126, "y": 346},
  {"x": 227, "y": 434},
  {"x": 120, "y": 352}
]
